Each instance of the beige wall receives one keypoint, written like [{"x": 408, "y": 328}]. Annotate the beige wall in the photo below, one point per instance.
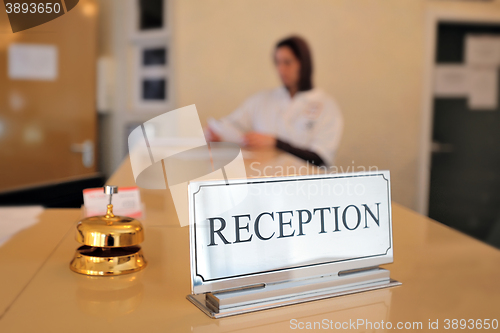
[
  {"x": 372, "y": 56},
  {"x": 369, "y": 55}
]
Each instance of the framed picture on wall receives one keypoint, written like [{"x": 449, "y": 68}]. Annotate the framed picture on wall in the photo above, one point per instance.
[{"x": 151, "y": 77}]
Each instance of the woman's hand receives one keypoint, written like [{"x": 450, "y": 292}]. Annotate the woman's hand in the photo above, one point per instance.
[
  {"x": 211, "y": 136},
  {"x": 259, "y": 140}
]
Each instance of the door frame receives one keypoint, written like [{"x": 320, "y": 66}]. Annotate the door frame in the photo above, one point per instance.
[{"x": 432, "y": 19}]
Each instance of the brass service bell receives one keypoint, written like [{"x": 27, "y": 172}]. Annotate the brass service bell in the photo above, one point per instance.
[{"x": 110, "y": 243}]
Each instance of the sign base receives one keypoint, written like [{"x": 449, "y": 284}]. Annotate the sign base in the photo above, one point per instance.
[{"x": 267, "y": 296}]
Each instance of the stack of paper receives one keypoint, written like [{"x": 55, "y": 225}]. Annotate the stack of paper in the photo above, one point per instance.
[{"x": 15, "y": 219}]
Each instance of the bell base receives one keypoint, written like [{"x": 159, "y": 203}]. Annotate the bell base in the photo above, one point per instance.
[{"x": 98, "y": 261}]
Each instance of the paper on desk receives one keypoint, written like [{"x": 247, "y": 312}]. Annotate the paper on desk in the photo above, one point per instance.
[
  {"x": 226, "y": 130},
  {"x": 15, "y": 219},
  {"x": 127, "y": 202}
]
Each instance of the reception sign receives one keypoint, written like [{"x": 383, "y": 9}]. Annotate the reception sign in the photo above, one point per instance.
[{"x": 287, "y": 229}]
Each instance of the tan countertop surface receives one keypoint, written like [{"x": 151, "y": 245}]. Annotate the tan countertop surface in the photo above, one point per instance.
[{"x": 445, "y": 275}]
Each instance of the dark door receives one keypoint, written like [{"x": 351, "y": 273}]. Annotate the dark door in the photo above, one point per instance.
[{"x": 465, "y": 171}]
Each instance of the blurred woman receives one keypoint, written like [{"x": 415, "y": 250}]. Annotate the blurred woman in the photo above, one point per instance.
[{"x": 295, "y": 117}]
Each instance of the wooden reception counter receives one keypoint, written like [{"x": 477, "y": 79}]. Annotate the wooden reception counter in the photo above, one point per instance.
[{"x": 446, "y": 276}]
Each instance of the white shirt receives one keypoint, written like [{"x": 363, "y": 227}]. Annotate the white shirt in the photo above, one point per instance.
[{"x": 310, "y": 120}]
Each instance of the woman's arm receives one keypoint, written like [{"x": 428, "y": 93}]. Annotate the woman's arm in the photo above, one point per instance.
[
  {"x": 260, "y": 140},
  {"x": 307, "y": 155}
]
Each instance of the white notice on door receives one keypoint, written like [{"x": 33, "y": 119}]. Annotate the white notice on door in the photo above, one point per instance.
[
  {"x": 32, "y": 62},
  {"x": 483, "y": 88},
  {"x": 482, "y": 50},
  {"x": 451, "y": 81}
]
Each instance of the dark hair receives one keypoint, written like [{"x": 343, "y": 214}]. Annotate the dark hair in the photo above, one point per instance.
[{"x": 302, "y": 52}]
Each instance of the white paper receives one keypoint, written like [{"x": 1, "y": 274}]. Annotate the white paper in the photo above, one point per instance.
[
  {"x": 451, "y": 81},
  {"x": 32, "y": 62},
  {"x": 483, "y": 88},
  {"x": 127, "y": 202},
  {"x": 482, "y": 50},
  {"x": 226, "y": 131},
  {"x": 15, "y": 219}
]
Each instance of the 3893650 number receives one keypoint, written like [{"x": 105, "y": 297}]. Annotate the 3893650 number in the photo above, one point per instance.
[
  {"x": 25, "y": 7},
  {"x": 477, "y": 324}
]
